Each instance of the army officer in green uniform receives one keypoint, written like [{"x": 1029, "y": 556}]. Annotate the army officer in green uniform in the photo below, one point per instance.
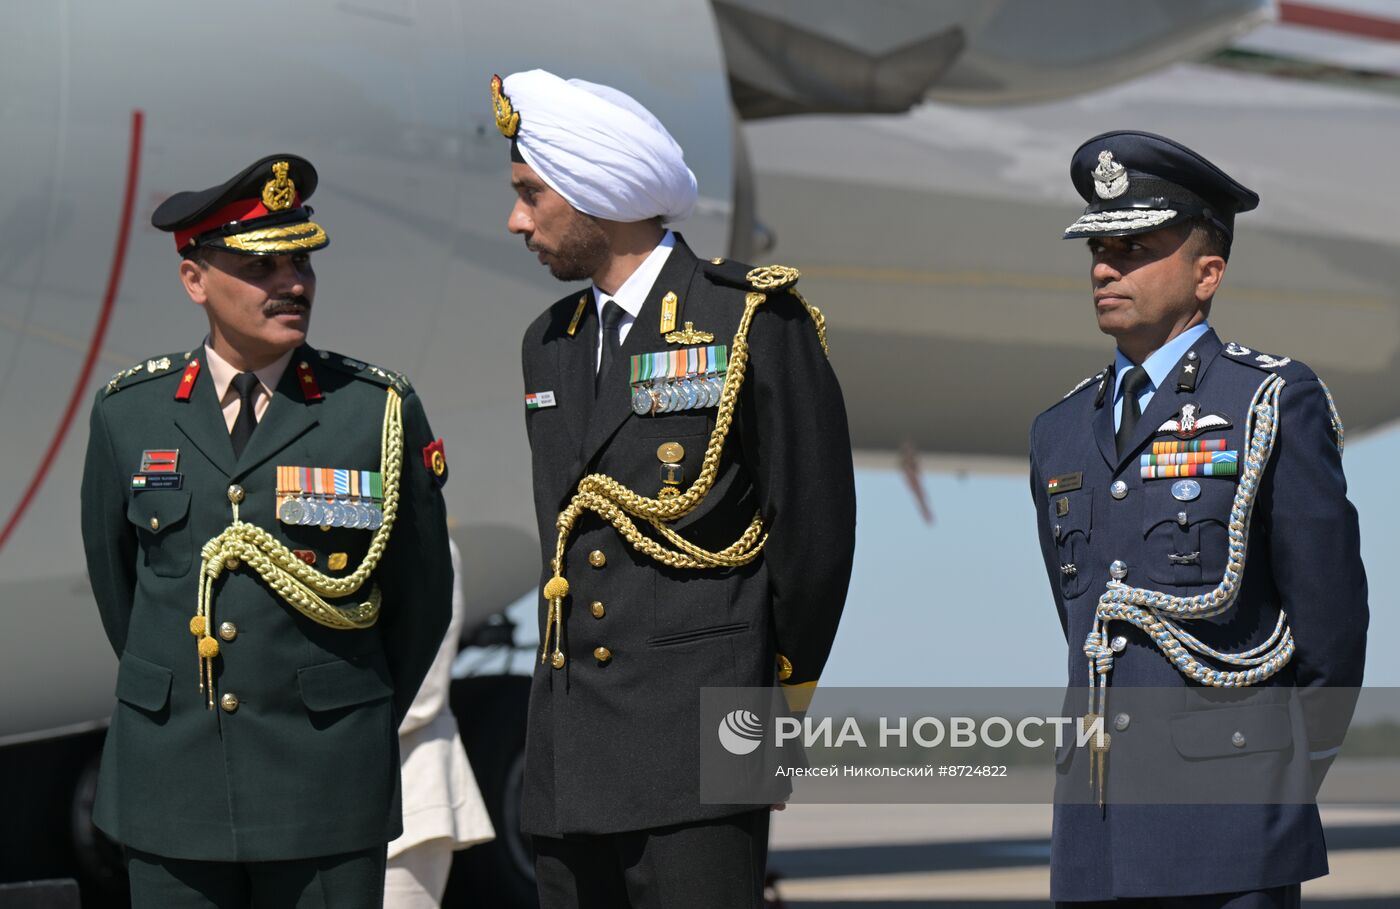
[{"x": 266, "y": 539}]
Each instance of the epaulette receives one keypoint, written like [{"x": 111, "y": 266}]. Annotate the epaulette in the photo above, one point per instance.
[
  {"x": 1267, "y": 362},
  {"x": 764, "y": 278},
  {"x": 1085, "y": 383},
  {"x": 367, "y": 371},
  {"x": 146, "y": 369}
]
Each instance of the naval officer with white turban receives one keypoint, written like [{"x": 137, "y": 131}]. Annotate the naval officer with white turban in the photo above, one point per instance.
[{"x": 693, "y": 486}]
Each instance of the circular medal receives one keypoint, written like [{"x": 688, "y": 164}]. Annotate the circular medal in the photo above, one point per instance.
[
  {"x": 716, "y": 386},
  {"x": 1186, "y": 490},
  {"x": 291, "y": 512},
  {"x": 330, "y": 515},
  {"x": 376, "y": 519},
  {"x": 311, "y": 512},
  {"x": 642, "y": 402},
  {"x": 359, "y": 517},
  {"x": 692, "y": 394}
]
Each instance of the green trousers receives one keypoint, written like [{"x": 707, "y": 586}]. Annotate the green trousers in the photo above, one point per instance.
[{"x": 349, "y": 880}]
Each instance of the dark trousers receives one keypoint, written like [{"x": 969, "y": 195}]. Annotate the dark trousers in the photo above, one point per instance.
[
  {"x": 1289, "y": 896},
  {"x": 686, "y": 866},
  {"x": 349, "y": 880}
]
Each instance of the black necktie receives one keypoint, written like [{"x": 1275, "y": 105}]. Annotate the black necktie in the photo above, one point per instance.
[
  {"x": 612, "y": 316},
  {"x": 247, "y": 420},
  {"x": 1135, "y": 379}
]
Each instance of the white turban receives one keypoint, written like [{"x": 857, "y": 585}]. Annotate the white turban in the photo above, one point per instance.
[{"x": 599, "y": 149}]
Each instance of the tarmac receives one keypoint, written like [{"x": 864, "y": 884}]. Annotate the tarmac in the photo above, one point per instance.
[{"x": 997, "y": 857}]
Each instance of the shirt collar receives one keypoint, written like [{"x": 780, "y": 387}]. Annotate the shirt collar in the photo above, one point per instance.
[
  {"x": 633, "y": 292},
  {"x": 1160, "y": 364},
  {"x": 222, "y": 372}
]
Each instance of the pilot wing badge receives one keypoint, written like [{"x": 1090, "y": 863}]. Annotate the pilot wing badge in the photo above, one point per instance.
[{"x": 1191, "y": 422}]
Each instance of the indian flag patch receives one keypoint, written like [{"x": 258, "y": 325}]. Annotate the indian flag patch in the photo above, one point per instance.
[{"x": 537, "y": 399}]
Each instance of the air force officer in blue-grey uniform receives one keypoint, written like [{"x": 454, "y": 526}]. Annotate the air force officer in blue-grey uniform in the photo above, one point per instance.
[{"x": 1155, "y": 511}]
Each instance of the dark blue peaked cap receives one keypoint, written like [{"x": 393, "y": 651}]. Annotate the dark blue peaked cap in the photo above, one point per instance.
[{"x": 1137, "y": 182}]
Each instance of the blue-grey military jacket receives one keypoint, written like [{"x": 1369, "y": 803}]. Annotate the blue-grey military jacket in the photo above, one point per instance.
[{"x": 1302, "y": 556}]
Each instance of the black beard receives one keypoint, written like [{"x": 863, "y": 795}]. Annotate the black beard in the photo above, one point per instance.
[{"x": 582, "y": 251}]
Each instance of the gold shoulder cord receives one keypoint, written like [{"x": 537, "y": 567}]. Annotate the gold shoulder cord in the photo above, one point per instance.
[
  {"x": 291, "y": 578},
  {"x": 617, "y": 504}
]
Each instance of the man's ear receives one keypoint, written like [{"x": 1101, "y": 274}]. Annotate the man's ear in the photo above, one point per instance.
[
  {"x": 193, "y": 276},
  {"x": 1210, "y": 272}
]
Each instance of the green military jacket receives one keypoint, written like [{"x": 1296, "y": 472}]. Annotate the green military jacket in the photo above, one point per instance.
[{"x": 303, "y": 759}]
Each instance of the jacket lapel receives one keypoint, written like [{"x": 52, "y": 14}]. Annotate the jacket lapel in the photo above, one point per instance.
[
  {"x": 575, "y": 363},
  {"x": 202, "y": 421},
  {"x": 1103, "y": 421},
  {"x": 614, "y": 401},
  {"x": 288, "y": 416}
]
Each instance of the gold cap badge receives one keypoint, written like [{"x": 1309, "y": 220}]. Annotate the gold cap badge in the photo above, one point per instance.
[
  {"x": 278, "y": 193},
  {"x": 507, "y": 120}
]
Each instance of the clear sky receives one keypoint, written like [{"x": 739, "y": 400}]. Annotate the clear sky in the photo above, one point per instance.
[{"x": 966, "y": 601}]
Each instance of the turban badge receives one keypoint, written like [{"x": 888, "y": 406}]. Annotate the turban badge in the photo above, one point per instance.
[{"x": 507, "y": 120}]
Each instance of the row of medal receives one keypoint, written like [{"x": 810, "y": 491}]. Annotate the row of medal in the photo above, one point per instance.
[
  {"x": 668, "y": 381},
  {"x": 330, "y": 497}
]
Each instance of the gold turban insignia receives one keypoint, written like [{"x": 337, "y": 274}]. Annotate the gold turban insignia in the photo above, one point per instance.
[{"x": 507, "y": 120}]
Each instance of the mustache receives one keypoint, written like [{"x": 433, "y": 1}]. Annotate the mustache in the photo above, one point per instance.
[{"x": 299, "y": 305}]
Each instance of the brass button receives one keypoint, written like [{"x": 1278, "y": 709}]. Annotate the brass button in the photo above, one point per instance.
[
  {"x": 602, "y": 654},
  {"x": 235, "y": 493},
  {"x": 231, "y": 563},
  {"x": 597, "y": 559},
  {"x": 229, "y": 702},
  {"x": 155, "y": 523},
  {"x": 598, "y": 610},
  {"x": 228, "y": 631},
  {"x": 671, "y": 453},
  {"x": 1238, "y": 740}
]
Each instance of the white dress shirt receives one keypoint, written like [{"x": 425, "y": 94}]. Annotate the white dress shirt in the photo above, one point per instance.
[{"x": 633, "y": 292}]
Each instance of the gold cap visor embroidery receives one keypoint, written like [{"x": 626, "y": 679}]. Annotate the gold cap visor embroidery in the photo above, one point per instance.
[{"x": 307, "y": 235}]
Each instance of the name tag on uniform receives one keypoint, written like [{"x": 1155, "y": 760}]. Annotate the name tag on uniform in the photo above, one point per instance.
[
  {"x": 158, "y": 470},
  {"x": 537, "y": 399},
  {"x": 1065, "y": 482}
]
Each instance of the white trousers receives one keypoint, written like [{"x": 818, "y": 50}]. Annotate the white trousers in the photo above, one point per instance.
[{"x": 417, "y": 877}]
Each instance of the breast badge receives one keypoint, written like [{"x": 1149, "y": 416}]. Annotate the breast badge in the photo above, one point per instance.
[{"x": 1190, "y": 422}]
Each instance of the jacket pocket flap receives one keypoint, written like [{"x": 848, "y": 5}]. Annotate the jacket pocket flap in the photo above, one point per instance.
[
  {"x": 330, "y": 686},
  {"x": 1229, "y": 731},
  {"x": 1078, "y": 513},
  {"x": 1213, "y": 504},
  {"x": 142, "y": 683},
  {"x": 674, "y": 425},
  {"x": 157, "y": 509}
]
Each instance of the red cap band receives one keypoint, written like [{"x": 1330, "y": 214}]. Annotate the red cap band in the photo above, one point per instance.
[{"x": 242, "y": 210}]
